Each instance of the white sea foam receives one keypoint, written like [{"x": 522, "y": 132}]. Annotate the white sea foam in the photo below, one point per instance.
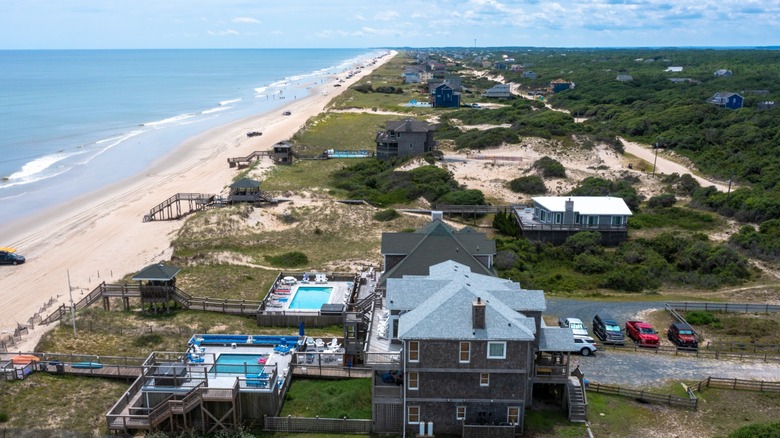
[
  {"x": 39, "y": 168},
  {"x": 112, "y": 141},
  {"x": 169, "y": 120},
  {"x": 227, "y": 102},
  {"x": 260, "y": 90},
  {"x": 217, "y": 109}
]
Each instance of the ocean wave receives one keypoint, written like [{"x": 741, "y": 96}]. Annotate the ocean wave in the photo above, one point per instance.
[
  {"x": 217, "y": 109},
  {"x": 228, "y": 102},
  {"x": 260, "y": 90},
  {"x": 169, "y": 120},
  {"x": 38, "y": 169},
  {"x": 113, "y": 142}
]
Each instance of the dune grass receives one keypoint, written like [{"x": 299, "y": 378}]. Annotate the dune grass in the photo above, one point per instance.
[{"x": 346, "y": 131}]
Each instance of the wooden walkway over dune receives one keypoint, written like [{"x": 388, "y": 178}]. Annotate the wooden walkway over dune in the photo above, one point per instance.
[
  {"x": 126, "y": 291},
  {"x": 116, "y": 367},
  {"x": 240, "y": 162}
]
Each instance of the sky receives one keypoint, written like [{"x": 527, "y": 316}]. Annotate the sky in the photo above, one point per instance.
[{"x": 130, "y": 24}]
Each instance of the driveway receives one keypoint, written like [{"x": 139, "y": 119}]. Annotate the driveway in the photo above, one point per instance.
[{"x": 647, "y": 369}]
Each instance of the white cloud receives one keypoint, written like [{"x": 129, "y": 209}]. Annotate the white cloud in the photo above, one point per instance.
[
  {"x": 246, "y": 20},
  {"x": 388, "y": 15},
  {"x": 359, "y": 17},
  {"x": 223, "y": 32}
]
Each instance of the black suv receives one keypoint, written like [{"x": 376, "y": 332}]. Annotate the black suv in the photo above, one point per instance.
[
  {"x": 10, "y": 258},
  {"x": 607, "y": 329}
]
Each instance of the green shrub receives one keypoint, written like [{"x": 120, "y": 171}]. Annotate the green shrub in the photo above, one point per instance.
[
  {"x": 490, "y": 138},
  {"x": 550, "y": 168},
  {"x": 386, "y": 215},
  {"x": 766, "y": 430},
  {"x": 701, "y": 317},
  {"x": 289, "y": 259},
  {"x": 3, "y": 417},
  {"x": 506, "y": 224},
  {"x": 663, "y": 200},
  {"x": 531, "y": 185},
  {"x": 463, "y": 197},
  {"x": 590, "y": 264}
]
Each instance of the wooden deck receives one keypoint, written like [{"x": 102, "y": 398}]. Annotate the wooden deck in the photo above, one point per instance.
[{"x": 240, "y": 162}]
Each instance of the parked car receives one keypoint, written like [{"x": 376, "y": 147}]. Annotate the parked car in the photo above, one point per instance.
[
  {"x": 642, "y": 333},
  {"x": 607, "y": 329},
  {"x": 682, "y": 335},
  {"x": 8, "y": 256},
  {"x": 575, "y": 324},
  {"x": 585, "y": 345},
  {"x": 286, "y": 113},
  {"x": 253, "y": 133}
]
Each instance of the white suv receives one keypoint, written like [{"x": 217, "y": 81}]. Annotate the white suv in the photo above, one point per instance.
[
  {"x": 575, "y": 324},
  {"x": 584, "y": 345}
]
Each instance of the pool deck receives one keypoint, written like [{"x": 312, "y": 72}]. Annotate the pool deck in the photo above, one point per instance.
[{"x": 338, "y": 295}]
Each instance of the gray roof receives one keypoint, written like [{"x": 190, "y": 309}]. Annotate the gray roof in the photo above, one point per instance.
[
  {"x": 446, "y": 312},
  {"x": 408, "y": 125},
  {"x": 245, "y": 183},
  {"x": 157, "y": 272},
  {"x": 435, "y": 243},
  {"x": 556, "y": 339}
]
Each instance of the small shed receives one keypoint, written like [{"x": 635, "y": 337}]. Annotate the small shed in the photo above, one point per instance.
[
  {"x": 283, "y": 153},
  {"x": 245, "y": 190},
  {"x": 157, "y": 285}
]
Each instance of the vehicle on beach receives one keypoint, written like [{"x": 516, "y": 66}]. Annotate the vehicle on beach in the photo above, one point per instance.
[
  {"x": 8, "y": 256},
  {"x": 336, "y": 85},
  {"x": 286, "y": 113},
  {"x": 253, "y": 133}
]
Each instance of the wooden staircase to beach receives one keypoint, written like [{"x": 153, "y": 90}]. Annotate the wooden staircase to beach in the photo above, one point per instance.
[
  {"x": 182, "y": 204},
  {"x": 577, "y": 403}
]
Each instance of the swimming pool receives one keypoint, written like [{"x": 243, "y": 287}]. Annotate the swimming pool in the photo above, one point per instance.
[
  {"x": 311, "y": 297},
  {"x": 234, "y": 364}
]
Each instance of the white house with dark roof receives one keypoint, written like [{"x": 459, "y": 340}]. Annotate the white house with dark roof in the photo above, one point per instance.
[
  {"x": 473, "y": 347},
  {"x": 555, "y": 218}
]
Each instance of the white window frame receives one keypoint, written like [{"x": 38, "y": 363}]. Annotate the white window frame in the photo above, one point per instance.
[
  {"x": 502, "y": 343},
  {"x": 409, "y": 414},
  {"x": 415, "y": 351},
  {"x": 460, "y": 412},
  {"x": 509, "y": 415},
  {"x": 484, "y": 379},
  {"x": 468, "y": 352},
  {"x": 413, "y": 379},
  {"x": 558, "y": 218}
]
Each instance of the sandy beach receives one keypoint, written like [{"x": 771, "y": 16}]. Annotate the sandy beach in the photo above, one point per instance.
[{"x": 102, "y": 236}]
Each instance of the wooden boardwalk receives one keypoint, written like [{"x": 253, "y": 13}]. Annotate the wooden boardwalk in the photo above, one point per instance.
[
  {"x": 240, "y": 162},
  {"x": 182, "y": 204}
]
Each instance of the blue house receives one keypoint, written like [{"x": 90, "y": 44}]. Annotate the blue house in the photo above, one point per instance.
[
  {"x": 726, "y": 100},
  {"x": 444, "y": 96}
]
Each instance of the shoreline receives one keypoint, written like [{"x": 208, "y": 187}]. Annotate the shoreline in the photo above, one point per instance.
[{"x": 102, "y": 237}]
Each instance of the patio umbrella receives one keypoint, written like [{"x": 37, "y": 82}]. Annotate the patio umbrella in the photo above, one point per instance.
[{"x": 300, "y": 329}]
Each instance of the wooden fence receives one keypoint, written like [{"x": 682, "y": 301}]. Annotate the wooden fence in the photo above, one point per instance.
[
  {"x": 764, "y": 356},
  {"x": 644, "y": 396},
  {"x": 317, "y": 425},
  {"x": 738, "y": 384},
  {"x": 687, "y": 306}
]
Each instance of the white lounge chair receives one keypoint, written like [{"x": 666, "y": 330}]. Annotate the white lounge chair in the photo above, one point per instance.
[
  {"x": 321, "y": 278},
  {"x": 319, "y": 344},
  {"x": 334, "y": 344}
]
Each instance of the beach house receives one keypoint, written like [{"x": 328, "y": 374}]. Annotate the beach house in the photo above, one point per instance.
[
  {"x": 404, "y": 138},
  {"x": 498, "y": 91},
  {"x": 726, "y": 99},
  {"x": 444, "y": 96},
  {"x": 555, "y": 218},
  {"x": 473, "y": 348}
]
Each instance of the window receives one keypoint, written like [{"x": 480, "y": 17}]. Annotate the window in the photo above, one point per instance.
[
  {"x": 414, "y": 380},
  {"x": 460, "y": 412},
  {"x": 414, "y": 351},
  {"x": 513, "y": 415},
  {"x": 593, "y": 220},
  {"x": 484, "y": 379},
  {"x": 617, "y": 220},
  {"x": 465, "y": 352},
  {"x": 496, "y": 350},
  {"x": 558, "y": 218},
  {"x": 576, "y": 218},
  {"x": 413, "y": 415}
]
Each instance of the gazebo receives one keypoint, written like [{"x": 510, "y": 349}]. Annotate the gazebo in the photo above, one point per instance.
[
  {"x": 158, "y": 284},
  {"x": 246, "y": 190}
]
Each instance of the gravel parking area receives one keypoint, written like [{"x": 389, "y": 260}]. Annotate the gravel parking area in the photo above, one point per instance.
[{"x": 586, "y": 310}]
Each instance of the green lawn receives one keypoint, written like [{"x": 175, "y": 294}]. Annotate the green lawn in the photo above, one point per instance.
[{"x": 329, "y": 399}]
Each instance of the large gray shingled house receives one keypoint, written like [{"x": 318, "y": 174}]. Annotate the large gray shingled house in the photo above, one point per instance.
[{"x": 404, "y": 138}]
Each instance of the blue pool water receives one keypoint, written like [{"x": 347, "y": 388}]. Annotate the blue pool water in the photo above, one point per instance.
[
  {"x": 234, "y": 363},
  {"x": 310, "y": 297}
]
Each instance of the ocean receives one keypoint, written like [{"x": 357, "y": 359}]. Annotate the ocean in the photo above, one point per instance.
[{"x": 73, "y": 121}]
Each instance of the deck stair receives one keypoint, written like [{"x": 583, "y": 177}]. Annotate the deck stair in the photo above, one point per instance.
[
  {"x": 577, "y": 403},
  {"x": 182, "y": 204}
]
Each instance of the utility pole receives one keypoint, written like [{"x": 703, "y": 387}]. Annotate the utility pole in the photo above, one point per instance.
[
  {"x": 656, "y": 156},
  {"x": 72, "y": 306}
]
